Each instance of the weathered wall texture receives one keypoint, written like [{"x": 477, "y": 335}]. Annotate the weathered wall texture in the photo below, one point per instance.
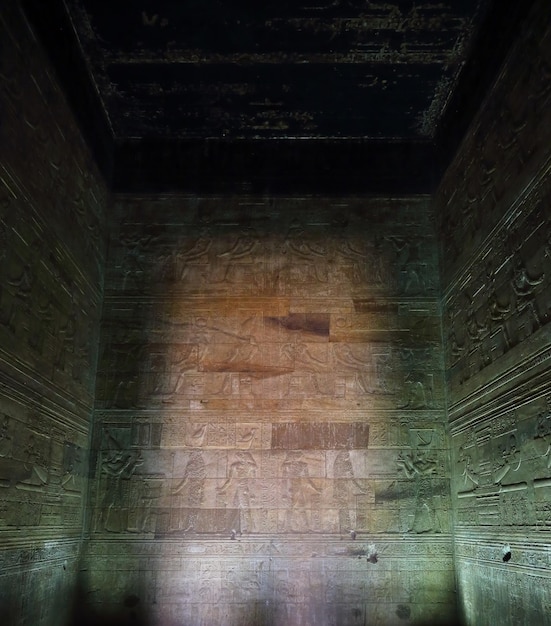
[
  {"x": 495, "y": 208},
  {"x": 51, "y": 254},
  {"x": 270, "y": 443}
]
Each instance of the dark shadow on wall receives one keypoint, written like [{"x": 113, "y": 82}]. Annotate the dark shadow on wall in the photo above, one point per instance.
[
  {"x": 132, "y": 608},
  {"x": 128, "y": 614}
]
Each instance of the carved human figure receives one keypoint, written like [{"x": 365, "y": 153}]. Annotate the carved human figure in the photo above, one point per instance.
[
  {"x": 243, "y": 246},
  {"x": 416, "y": 394},
  {"x": 524, "y": 289},
  {"x": 419, "y": 465},
  {"x": 509, "y": 460},
  {"x": 425, "y": 518},
  {"x": 133, "y": 265},
  {"x": 469, "y": 473},
  {"x": 189, "y": 493},
  {"x": 72, "y": 461},
  {"x": 298, "y": 244},
  {"x": 364, "y": 380},
  {"x": 301, "y": 356},
  {"x": 170, "y": 384},
  {"x": 499, "y": 313},
  {"x": 117, "y": 467},
  {"x": 345, "y": 490},
  {"x": 241, "y": 475},
  {"x": 299, "y": 488},
  {"x": 456, "y": 349},
  {"x": 199, "y": 246},
  {"x": 475, "y": 328},
  {"x": 36, "y": 463}
]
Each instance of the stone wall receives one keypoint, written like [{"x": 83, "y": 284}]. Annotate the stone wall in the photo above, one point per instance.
[
  {"x": 51, "y": 258},
  {"x": 270, "y": 442},
  {"x": 494, "y": 209}
]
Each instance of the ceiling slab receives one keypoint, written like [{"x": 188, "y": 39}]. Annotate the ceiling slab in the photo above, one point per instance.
[{"x": 209, "y": 94}]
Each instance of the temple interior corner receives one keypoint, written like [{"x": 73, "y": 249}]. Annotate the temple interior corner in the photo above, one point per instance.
[{"x": 275, "y": 313}]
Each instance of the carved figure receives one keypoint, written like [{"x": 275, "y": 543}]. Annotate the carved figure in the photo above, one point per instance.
[
  {"x": 297, "y": 479},
  {"x": 134, "y": 260},
  {"x": 475, "y": 328},
  {"x": 499, "y": 314},
  {"x": 417, "y": 463},
  {"x": 297, "y": 244},
  {"x": 510, "y": 459},
  {"x": 469, "y": 473},
  {"x": 240, "y": 474},
  {"x": 346, "y": 490},
  {"x": 417, "y": 396},
  {"x": 190, "y": 492},
  {"x": 118, "y": 467},
  {"x": 36, "y": 463},
  {"x": 243, "y": 246},
  {"x": 524, "y": 288},
  {"x": 72, "y": 462}
]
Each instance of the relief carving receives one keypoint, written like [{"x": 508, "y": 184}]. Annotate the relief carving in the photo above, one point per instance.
[
  {"x": 420, "y": 466},
  {"x": 346, "y": 489},
  {"x": 117, "y": 467},
  {"x": 188, "y": 494},
  {"x": 73, "y": 476},
  {"x": 301, "y": 494},
  {"x": 523, "y": 287},
  {"x": 509, "y": 459},
  {"x": 244, "y": 246},
  {"x": 238, "y": 489},
  {"x": 36, "y": 461},
  {"x": 134, "y": 261}
]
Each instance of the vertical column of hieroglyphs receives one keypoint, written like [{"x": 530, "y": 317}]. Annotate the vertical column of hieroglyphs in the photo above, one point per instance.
[
  {"x": 51, "y": 255},
  {"x": 495, "y": 207},
  {"x": 270, "y": 437}
]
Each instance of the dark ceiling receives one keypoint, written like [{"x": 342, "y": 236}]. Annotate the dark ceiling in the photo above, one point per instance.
[{"x": 207, "y": 95}]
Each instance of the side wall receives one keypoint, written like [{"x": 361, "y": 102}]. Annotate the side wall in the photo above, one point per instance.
[
  {"x": 52, "y": 209},
  {"x": 494, "y": 208},
  {"x": 270, "y": 444}
]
